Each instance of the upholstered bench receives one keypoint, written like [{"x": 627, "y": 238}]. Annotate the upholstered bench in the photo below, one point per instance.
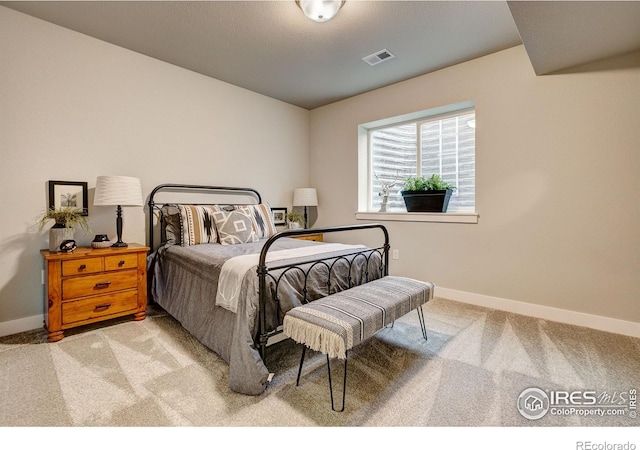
[{"x": 337, "y": 323}]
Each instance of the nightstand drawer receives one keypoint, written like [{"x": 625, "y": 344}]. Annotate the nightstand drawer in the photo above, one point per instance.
[
  {"x": 98, "y": 284},
  {"x": 100, "y": 306},
  {"x": 128, "y": 261},
  {"x": 82, "y": 266}
]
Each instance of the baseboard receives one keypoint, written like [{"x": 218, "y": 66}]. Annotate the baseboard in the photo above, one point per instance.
[
  {"x": 527, "y": 309},
  {"x": 543, "y": 312},
  {"x": 21, "y": 325}
]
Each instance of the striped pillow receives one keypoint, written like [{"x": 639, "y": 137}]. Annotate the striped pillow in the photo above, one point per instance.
[
  {"x": 197, "y": 224},
  {"x": 261, "y": 219}
]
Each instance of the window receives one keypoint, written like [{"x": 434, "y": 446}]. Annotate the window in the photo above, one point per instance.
[{"x": 438, "y": 141}]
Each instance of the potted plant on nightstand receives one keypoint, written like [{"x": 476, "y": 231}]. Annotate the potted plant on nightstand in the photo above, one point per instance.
[
  {"x": 422, "y": 194},
  {"x": 294, "y": 220},
  {"x": 66, "y": 219}
]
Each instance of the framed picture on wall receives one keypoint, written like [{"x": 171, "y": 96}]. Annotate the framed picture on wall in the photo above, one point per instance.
[
  {"x": 69, "y": 194},
  {"x": 279, "y": 216}
]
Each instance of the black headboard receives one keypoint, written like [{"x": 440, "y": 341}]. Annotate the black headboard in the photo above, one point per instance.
[{"x": 193, "y": 189}]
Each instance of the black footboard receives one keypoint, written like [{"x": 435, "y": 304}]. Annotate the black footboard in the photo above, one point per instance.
[{"x": 269, "y": 279}]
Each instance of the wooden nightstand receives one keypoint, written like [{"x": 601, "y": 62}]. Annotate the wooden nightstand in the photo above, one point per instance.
[
  {"x": 318, "y": 237},
  {"x": 90, "y": 285}
]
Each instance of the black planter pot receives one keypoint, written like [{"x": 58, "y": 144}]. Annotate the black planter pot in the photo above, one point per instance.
[{"x": 427, "y": 201}]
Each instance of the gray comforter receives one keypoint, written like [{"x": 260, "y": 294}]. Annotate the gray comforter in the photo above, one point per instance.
[{"x": 185, "y": 283}]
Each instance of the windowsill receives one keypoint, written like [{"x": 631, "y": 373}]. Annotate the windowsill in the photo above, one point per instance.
[{"x": 401, "y": 216}]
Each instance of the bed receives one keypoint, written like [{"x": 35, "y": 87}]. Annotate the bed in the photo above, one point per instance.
[{"x": 221, "y": 268}]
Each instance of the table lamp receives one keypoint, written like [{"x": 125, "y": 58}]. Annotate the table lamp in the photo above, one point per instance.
[
  {"x": 305, "y": 197},
  {"x": 118, "y": 191}
]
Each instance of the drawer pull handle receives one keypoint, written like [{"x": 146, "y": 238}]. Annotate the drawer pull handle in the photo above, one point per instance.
[
  {"x": 121, "y": 263},
  {"x": 103, "y": 285},
  {"x": 82, "y": 267},
  {"x": 101, "y": 308}
]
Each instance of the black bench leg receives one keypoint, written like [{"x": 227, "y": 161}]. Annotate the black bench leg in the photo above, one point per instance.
[
  {"x": 304, "y": 350},
  {"x": 344, "y": 384},
  {"x": 423, "y": 326},
  {"x": 344, "y": 381}
]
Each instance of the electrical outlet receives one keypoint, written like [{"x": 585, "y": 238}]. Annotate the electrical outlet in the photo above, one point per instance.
[{"x": 395, "y": 253}]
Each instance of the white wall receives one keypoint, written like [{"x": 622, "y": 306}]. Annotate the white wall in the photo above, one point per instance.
[
  {"x": 73, "y": 107},
  {"x": 557, "y": 183},
  {"x": 557, "y": 163}
]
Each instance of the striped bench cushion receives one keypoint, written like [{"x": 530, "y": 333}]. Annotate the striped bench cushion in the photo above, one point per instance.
[{"x": 340, "y": 321}]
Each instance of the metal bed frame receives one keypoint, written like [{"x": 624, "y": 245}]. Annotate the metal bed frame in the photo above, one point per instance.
[
  {"x": 329, "y": 263},
  {"x": 176, "y": 188},
  {"x": 265, "y": 272}
]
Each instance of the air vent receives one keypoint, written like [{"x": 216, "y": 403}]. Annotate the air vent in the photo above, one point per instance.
[{"x": 378, "y": 57}]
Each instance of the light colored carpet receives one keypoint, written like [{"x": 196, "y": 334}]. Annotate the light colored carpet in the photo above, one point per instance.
[{"x": 469, "y": 374}]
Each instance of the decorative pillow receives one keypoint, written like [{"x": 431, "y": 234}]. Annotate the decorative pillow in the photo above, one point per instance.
[
  {"x": 197, "y": 224},
  {"x": 170, "y": 231},
  {"x": 261, "y": 219},
  {"x": 234, "y": 227}
]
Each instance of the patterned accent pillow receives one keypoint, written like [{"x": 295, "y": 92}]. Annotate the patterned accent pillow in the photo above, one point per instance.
[
  {"x": 197, "y": 224},
  {"x": 170, "y": 232},
  {"x": 234, "y": 227},
  {"x": 261, "y": 219}
]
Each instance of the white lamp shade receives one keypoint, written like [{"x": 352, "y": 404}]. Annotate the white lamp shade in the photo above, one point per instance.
[
  {"x": 117, "y": 190},
  {"x": 305, "y": 197}
]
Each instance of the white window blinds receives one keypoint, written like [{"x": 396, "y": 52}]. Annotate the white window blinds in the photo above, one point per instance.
[{"x": 444, "y": 145}]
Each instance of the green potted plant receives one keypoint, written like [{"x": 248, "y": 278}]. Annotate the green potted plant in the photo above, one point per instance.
[
  {"x": 426, "y": 194},
  {"x": 295, "y": 219},
  {"x": 65, "y": 221}
]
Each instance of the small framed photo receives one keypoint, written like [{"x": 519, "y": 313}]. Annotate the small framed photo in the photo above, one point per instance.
[
  {"x": 69, "y": 194},
  {"x": 279, "y": 216}
]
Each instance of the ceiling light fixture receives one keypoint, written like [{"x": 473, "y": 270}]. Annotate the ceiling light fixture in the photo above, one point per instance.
[{"x": 320, "y": 10}]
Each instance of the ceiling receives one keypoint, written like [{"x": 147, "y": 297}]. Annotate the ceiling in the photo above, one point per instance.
[{"x": 271, "y": 48}]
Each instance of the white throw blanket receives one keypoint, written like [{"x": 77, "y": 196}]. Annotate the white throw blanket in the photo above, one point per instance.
[{"x": 234, "y": 270}]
